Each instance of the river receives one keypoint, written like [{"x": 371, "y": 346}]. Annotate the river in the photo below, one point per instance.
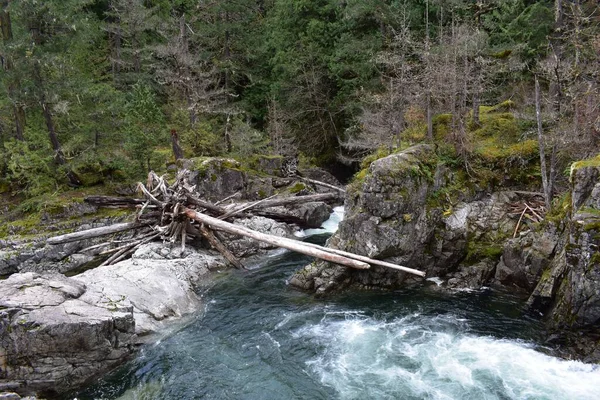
[{"x": 257, "y": 338}]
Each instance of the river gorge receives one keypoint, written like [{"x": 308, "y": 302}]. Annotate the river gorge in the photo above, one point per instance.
[{"x": 257, "y": 338}]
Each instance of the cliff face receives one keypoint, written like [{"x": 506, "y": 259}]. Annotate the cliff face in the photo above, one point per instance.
[{"x": 398, "y": 213}]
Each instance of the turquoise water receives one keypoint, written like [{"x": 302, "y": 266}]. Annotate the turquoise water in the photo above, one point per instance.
[{"x": 260, "y": 339}]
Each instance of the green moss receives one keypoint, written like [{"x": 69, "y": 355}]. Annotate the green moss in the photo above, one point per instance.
[
  {"x": 546, "y": 275},
  {"x": 298, "y": 187},
  {"x": 561, "y": 207},
  {"x": 376, "y": 155},
  {"x": 441, "y": 126},
  {"x": 4, "y": 186},
  {"x": 481, "y": 251},
  {"x": 592, "y": 226},
  {"x": 590, "y": 162},
  {"x": 29, "y": 224},
  {"x": 595, "y": 259}
]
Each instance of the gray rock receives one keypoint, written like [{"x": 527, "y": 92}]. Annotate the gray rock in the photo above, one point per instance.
[
  {"x": 157, "y": 283},
  {"x": 524, "y": 259},
  {"x": 58, "y": 332},
  {"x": 10, "y": 396},
  {"x": 51, "y": 339},
  {"x": 217, "y": 178},
  {"x": 311, "y": 214},
  {"x": 245, "y": 247}
]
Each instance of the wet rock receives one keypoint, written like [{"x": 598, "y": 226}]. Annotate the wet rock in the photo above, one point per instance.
[
  {"x": 472, "y": 276},
  {"x": 311, "y": 214}
]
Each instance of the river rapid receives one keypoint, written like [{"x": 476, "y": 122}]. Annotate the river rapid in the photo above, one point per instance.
[{"x": 259, "y": 339}]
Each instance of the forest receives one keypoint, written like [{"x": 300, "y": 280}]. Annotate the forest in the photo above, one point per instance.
[{"x": 96, "y": 93}]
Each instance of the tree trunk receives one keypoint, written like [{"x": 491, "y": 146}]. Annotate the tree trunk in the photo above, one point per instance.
[
  {"x": 177, "y": 150},
  {"x": 59, "y": 157},
  {"x": 544, "y": 170},
  {"x": 116, "y": 62},
  {"x": 276, "y": 240},
  {"x": 19, "y": 114},
  {"x": 228, "y": 144},
  {"x": 7, "y": 35},
  {"x": 429, "y": 117},
  {"x": 58, "y": 154}
]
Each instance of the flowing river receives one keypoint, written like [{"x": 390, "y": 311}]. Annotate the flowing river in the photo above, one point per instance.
[{"x": 259, "y": 339}]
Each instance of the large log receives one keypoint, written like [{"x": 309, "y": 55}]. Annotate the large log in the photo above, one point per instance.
[
  {"x": 324, "y": 184},
  {"x": 92, "y": 233},
  {"x": 291, "y": 200},
  {"x": 113, "y": 201},
  {"x": 286, "y": 243},
  {"x": 372, "y": 261}
]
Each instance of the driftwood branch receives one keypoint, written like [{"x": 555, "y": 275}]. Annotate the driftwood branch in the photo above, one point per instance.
[{"x": 288, "y": 201}]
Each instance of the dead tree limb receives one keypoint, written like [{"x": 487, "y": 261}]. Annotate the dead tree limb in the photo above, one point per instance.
[
  {"x": 113, "y": 201},
  {"x": 287, "y": 201}
]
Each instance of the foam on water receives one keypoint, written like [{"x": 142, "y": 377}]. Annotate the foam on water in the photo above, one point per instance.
[
  {"x": 328, "y": 227},
  {"x": 433, "y": 358}
]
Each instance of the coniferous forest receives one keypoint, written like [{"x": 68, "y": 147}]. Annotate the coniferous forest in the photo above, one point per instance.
[{"x": 99, "y": 92}]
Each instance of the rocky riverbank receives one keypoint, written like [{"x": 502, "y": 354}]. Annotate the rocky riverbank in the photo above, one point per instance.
[
  {"x": 412, "y": 209},
  {"x": 58, "y": 332}
]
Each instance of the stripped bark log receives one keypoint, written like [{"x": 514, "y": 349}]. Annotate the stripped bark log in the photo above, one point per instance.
[
  {"x": 286, "y": 243},
  {"x": 371, "y": 260},
  {"x": 92, "y": 233},
  {"x": 319, "y": 183}
]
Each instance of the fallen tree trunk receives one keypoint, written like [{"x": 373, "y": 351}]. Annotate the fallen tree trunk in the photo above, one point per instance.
[
  {"x": 372, "y": 261},
  {"x": 92, "y": 233},
  {"x": 290, "y": 244},
  {"x": 113, "y": 201},
  {"x": 287, "y": 201},
  {"x": 319, "y": 183}
]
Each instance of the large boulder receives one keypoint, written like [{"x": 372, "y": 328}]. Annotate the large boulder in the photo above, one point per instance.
[{"x": 53, "y": 340}]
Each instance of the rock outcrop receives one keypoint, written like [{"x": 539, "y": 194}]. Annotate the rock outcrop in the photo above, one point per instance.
[
  {"x": 568, "y": 292},
  {"x": 391, "y": 215}
]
